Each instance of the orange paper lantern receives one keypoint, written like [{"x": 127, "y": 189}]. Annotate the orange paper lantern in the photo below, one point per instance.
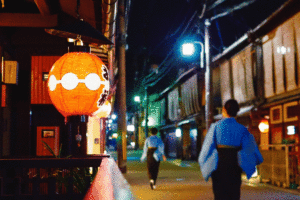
[{"x": 78, "y": 84}]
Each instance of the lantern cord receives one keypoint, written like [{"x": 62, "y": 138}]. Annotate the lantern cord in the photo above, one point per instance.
[{"x": 66, "y": 120}]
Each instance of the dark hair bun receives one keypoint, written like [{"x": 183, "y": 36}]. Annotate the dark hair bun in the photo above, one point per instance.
[{"x": 232, "y": 107}]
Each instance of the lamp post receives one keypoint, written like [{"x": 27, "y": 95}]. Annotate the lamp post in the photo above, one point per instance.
[
  {"x": 208, "y": 78},
  {"x": 137, "y": 99},
  {"x": 188, "y": 49},
  {"x": 146, "y": 113}
]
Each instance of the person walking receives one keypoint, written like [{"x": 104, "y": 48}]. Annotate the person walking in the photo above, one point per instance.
[
  {"x": 154, "y": 153},
  {"x": 228, "y": 149}
]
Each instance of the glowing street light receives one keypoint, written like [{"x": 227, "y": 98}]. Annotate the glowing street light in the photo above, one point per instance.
[
  {"x": 137, "y": 99},
  {"x": 178, "y": 132},
  {"x": 208, "y": 73},
  {"x": 130, "y": 128},
  {"x": 113, "y": 116},
  {"x": 188, "y": 49}
]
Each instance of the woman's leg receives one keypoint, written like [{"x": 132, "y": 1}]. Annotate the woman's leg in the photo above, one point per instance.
[
  {"x": 227, "y": 178},
  {"x": 152, "y": 165},
  {"x": 155, "y": 169}
]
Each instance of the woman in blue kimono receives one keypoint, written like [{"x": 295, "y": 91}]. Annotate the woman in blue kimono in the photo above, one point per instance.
[
  {"x": 228, "y": 149},
  {"x": 154, "y": 152}
]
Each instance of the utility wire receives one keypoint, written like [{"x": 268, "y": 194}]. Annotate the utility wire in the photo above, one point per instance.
[
  {"x": 156, "y": 79},
  {"x": 238, "y": 7},
  {"x": 168, "y": 36},
  {"x": 203, "y": 10},
  {"x": 215, "y": 4},
  {"x": 219, "y": 34},
  {"x": 152, "y": 75},
  {"x": 170, "y": 33}
]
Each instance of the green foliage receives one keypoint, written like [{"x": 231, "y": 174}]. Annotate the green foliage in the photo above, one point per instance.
[
  {"x": 288, "y": 141},
  {"x": 80, "y": 175}
]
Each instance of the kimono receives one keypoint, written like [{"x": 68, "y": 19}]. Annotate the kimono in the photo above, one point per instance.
[
  {"x": 154, "y": 141},
  {"x": 248, "y": 157},
  {"x": 153, "y": 152}
]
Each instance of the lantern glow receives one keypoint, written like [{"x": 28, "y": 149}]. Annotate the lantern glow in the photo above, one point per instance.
[
  {"x": 178, "y": 132},
  {"x": 263, "y": 126},
  {"x": 78, "y": 84}
]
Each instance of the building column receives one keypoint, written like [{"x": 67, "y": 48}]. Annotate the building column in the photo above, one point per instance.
[
  {"x": 121, "y": 88},
  {"x": 102, "y": 134}
]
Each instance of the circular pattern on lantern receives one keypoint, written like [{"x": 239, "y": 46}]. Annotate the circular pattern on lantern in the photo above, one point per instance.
[
  {"x": 78, "y": 84},
  {"x": 92, "y": 81},
  {"x": 69, "y": 81}
]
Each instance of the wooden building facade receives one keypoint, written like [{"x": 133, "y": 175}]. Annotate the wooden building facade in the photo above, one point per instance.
[{"x": 28, "y": 52}]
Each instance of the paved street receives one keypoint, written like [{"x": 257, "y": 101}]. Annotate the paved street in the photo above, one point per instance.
[{"x": 182, "y": 181}]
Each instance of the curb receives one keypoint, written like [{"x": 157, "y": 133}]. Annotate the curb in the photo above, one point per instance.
[{"x": 255, "y": 181}]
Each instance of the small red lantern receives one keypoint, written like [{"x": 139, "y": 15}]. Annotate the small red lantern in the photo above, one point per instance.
[
  {"x": 78, "y": 84},
  {"x": 264, "y": 126}
]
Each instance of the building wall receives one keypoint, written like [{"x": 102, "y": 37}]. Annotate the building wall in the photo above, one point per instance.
[
  {"x": 237, "y": 79},
  {"x": 281, "y": 56},
  {"x": 22, "y": 43},
  {"x": 40, "y": 66}
]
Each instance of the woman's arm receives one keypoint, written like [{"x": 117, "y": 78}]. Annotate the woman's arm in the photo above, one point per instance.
[
  {"x": 144, "y": 155},
  {"x": 249, "y": 156},
  {"x": 208, "y": 157},
  {"x": 161, "y": 150}
]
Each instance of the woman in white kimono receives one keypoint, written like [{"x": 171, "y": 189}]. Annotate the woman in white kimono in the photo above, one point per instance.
[{"x": 154, "y": 152}]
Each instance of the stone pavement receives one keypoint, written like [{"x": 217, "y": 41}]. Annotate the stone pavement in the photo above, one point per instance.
[{"x": 182, "y": 180}]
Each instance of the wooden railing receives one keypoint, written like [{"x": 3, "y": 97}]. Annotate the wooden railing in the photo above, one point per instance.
[
  {"x": 280, "y": 166},
  {"x": 47, "y": 178}
]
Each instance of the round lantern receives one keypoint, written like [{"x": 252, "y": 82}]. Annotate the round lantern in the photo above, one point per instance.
[
  {"x": 104, "y": 111},
  {"x": 264, "y": 126},
  {"x": 78, "y": 84}
]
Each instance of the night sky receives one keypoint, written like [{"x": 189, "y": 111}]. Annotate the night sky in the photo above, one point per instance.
[{"x": 155, "y": 26}]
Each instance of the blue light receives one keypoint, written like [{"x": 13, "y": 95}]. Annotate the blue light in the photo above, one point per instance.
[{"x": 188, "y": 49}]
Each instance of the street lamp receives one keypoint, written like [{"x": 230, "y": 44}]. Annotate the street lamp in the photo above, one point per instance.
[
  {"x": 208, "y": 77},
  {"x": 114, "y": 116},
  {"x": 188, "y": 49},
  {"x": 137, "y": 99}
]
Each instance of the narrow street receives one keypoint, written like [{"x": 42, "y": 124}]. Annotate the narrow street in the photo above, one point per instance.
[{"x": 182, "y": 180}]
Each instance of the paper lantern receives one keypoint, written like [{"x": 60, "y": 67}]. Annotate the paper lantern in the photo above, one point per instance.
[
  {"x": 264, "y": 126},
  {"x": 78, "y": 84},
  {"x": 104, "y": 111}
]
